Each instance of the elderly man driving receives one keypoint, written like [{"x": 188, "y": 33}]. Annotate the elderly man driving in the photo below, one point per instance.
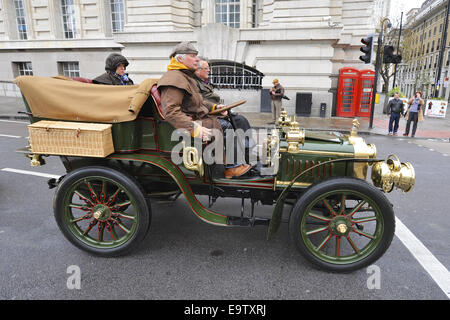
[{"x": 182, "y": 102}]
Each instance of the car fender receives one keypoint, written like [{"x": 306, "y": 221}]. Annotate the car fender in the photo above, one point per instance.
[{"x": 177, "y": 175}]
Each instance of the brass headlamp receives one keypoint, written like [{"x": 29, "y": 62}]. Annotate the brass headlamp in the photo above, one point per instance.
[{"x": 393, "y": 173}]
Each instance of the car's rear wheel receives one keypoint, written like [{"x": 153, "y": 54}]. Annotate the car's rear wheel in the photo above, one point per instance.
[
  {"x": 342, "y": 224},
  {"x": 102, "y": 211}
]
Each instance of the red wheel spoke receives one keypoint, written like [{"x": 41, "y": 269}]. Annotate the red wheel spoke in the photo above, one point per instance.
[
  {"x": 342, "y": 210},
  {"x": 364, "y": 219},
  {"x": 79, "y": 206},
  {"x": 121, "y": 226},
  {"x": 84, "y": 198},
  {"x": 85, "y": 217},
  {"x": 125, "y": 216},
  {"x": 91, "y": 190},
  {"x": 338, "y": 246},
  {"x": 112, "y": 198},
  {"x": 319, "y": 217},
  {"x": 363, "y": 234},
  {"x": 91, "y": 225},
  {"x": 357, "y": 208},
  {"x": 102, "y": 194},
  {"x": 333, "y": 213},
  {"x": 318, "y": 230},
  {"x": 352, "y": 244},
  {"x": 110, "y": 227},
  {"x": 324, "y": 242},
  {"x": 101, "y": 228},
  {"x": 119, "y": 205}
]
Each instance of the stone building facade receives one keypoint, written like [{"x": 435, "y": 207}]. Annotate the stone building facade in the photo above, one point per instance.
[
  {"x": 423, "y": 41},
  {"x": 303, "y": 43}
]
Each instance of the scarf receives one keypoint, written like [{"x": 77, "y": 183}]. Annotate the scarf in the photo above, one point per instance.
[
  {"x": 124, "y": 80},
  {"x": 176, "y": 65}
]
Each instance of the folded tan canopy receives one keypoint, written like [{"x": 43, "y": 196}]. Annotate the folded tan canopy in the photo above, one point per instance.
[{"x": 63, "y": 98}]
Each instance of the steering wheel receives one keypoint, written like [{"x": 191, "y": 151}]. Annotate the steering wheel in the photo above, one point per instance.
[{"x": 226, "y": 108}]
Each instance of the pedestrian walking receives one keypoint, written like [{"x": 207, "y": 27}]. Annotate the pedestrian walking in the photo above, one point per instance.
[
  {"x": 395, "y": 110},
  {"x": 276, "y": 94},
  {"x": 414, "y": 113}
]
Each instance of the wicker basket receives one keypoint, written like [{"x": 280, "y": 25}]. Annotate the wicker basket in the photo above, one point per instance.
[{"x": 71, "y": 138}]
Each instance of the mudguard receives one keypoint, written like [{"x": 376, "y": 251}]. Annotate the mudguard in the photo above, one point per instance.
[
  {"x": 200, "y": 211},
  {"x": 277, "y": 212}
]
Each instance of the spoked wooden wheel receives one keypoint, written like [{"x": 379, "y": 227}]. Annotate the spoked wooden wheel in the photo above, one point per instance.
[
  {"x": 342, "y": 224},
  {"x": 102, "y": 211}
]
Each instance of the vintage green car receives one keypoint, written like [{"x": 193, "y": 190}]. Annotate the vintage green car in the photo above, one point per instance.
[{"x": 338, "y": 221}]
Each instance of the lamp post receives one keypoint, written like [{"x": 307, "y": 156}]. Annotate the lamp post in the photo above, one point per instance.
[
  {"x": 398, "y": 48},
  {"x": 377, "y": 69}
]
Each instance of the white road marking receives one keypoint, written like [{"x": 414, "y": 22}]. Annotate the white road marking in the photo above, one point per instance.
[
  {"x": 10, "y": 136},
  {"x": 33, "y": 173},
  {"x": 14, "y": 121},
  {"x": 435, "y": 269}
]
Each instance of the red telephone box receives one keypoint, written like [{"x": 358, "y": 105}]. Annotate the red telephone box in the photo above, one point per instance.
[
  {"x": 365, "y": 92},
  {"x": 347, "y": 89}
]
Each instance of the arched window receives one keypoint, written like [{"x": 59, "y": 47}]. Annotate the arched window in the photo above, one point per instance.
[{"x": 232, "y": 75}]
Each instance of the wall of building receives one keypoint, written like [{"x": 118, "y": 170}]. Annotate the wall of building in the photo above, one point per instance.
[
  {"x": 303, "y": 43},
  {"x": 423, "y": 36}
]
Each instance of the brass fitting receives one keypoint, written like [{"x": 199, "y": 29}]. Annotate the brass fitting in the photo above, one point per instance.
[
  {"x": 36, "y": 160},
  {"x": 295, "y": 136},
  {"x": 393, "y": 173}
]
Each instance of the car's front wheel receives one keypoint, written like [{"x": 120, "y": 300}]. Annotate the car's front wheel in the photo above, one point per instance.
[{"x": 342, "y": 224}]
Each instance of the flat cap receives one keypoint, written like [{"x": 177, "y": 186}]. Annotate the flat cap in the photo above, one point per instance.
[{"x": 183, "y": 47}]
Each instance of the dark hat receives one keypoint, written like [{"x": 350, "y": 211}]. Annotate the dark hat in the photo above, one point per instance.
[
  {"x": 183, "y": 47},
  {"x": 113, "y": 61}
]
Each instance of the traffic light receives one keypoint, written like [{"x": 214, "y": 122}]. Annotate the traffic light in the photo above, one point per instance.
[
  {"x": 367, "y": 49},
  {"x": 389, "y": 56}
]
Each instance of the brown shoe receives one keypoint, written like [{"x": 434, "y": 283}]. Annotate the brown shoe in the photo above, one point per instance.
[{"x": 238, "y": 171}]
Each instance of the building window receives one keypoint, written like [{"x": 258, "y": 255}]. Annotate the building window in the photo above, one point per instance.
[
  {"x": 68, "y": 17},
  {"x": 228, "y": 13},
  {"x": 255, "y": 9},
  {"x": 19, "y": 5},
  {"x": 23, "y": 68},
  {"x": 117, "y": 15},
  {"x": 233, "y": 75},
  {"x": 69, "y": 68}
]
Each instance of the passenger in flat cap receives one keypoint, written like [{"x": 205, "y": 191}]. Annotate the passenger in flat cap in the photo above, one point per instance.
[{"x": 182, "y": 103}]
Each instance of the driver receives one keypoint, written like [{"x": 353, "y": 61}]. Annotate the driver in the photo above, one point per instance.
[{"x": 182, "y": 102}]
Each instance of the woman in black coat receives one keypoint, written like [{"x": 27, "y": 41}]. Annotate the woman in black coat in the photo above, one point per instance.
[{"x": 115, "y": 66}]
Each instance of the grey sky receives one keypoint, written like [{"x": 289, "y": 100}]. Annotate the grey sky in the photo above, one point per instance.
[{"x": 397, "y": 6}]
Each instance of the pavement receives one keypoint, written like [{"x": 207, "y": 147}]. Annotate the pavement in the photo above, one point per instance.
[{"x": 435, "y": 128}]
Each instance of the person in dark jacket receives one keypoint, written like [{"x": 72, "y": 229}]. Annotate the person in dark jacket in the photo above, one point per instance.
[
  {"x": 394, "y": 109},
  {"x": 115, "y": 66}
]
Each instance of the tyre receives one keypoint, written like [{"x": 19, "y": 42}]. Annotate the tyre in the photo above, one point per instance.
[
  {"x": 342, "y": 224},
  {"x": 102, "y": 211}
]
